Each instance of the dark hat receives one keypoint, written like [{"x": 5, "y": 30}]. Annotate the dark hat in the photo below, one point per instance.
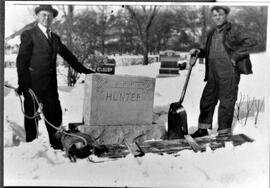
[
  {"x": 47, "y": 8},
  {"x": 225, "y": 8}
]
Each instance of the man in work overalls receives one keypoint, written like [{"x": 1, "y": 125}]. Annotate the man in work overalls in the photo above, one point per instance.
[{"x": 226, "y": 56}]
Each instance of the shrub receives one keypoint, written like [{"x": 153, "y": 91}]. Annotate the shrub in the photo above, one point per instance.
[{"x": 246, "y": 107}]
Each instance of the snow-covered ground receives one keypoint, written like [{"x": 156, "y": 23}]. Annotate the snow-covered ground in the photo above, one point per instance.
[{"x": 36, "y": 164}]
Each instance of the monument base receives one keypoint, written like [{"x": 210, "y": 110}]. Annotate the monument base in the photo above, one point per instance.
[{"x": 107, "y": 134}]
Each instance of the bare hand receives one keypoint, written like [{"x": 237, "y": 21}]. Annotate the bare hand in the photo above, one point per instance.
[{"x": 193, "y": 51}]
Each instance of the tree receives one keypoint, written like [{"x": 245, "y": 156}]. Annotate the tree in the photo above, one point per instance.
[
  {"x": 255, "y": 19},
  {"x": 104, "y": 19},
  {"x": 66, "y": 31},
  {"x": 86, "y": 34},
  {"x": 162, "y": 30},
  {"x": 72, "y": 74},
  {"x": 121, "y": 34},
  {"x": 203, "y": 24},
  {"x": 188, "y": 24},
  {"x": 143, "y": 18},
  {"x": 80, "y": 33}
]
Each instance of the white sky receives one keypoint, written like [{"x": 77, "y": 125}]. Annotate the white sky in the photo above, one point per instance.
[
  {"x": 19, "y": 13},
  {"x": 16, "y": 16}
]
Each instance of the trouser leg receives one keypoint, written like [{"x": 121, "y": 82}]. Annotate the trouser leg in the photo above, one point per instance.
[
  {"x": 53, "y": 114},
  {"x": 228, "y": 87},
  {"x": 30, "y": 124},
  {"x": 208, "y": 102}
]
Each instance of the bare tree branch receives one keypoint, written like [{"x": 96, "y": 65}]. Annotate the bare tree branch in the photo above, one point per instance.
[
  {"x": 238, "y": 106},
  {"x": 249, "y": 107},
  {"x": 258, "y": 106},
  {"x": 151, "y": 18},
  {"x": 135, "y": 17}
]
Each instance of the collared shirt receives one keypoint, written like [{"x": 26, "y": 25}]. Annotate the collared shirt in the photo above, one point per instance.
[
  {"x": 219, "y": 60},
  {"x": 217, "y": 49},
  {"x": 43, "y": 29}
]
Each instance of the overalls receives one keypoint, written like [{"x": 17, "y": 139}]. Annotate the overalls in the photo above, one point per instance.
[{"x": 222, "y": 85}]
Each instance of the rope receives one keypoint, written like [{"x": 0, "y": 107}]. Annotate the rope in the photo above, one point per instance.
[
  {"x": 37, "y": 114},
  {"x": 59, "y": 129}
]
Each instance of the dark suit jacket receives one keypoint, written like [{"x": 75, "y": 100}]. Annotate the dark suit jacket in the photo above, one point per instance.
[
  {"x": 36, "y": 60},
  {"x": 238, "y": 43}
]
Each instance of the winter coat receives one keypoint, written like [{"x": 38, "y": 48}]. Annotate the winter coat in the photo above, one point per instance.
[
  {"x": 238, "y": 44},
  {"x": 36, "y": 60}
]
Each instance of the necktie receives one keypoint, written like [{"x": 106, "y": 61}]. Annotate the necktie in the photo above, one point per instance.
[{"x": 49, "y": 35}]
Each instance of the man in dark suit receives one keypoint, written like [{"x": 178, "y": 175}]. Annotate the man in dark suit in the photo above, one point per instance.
[{"x": 36, "y": 67}]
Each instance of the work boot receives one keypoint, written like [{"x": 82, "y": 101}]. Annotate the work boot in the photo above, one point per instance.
[{"x": 199, "y": 133}]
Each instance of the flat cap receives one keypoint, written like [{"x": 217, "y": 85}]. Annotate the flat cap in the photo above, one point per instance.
[{"x": 217, "y": 7}]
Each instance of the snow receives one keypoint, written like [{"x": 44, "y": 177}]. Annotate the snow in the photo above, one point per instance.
[{"x": 36, "y": 164}]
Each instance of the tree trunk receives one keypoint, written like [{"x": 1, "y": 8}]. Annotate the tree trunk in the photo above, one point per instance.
[
  {"x": 145, "y": 57},
  {"x": 103, "y": 36},
  {"x": 72, "y": 75},
  {"x": 203, "y": 37},
  {"x": 145, "y": 49},
  {"x": 144, "y": 28}
]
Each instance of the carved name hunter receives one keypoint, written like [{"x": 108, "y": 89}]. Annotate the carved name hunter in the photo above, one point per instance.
[
  {"x": 123, "y": 96},
  {"x": 118, "y": 100}
]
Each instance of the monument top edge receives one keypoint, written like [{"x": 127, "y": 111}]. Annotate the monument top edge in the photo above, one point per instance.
[{"x": 119, "y": 75}]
